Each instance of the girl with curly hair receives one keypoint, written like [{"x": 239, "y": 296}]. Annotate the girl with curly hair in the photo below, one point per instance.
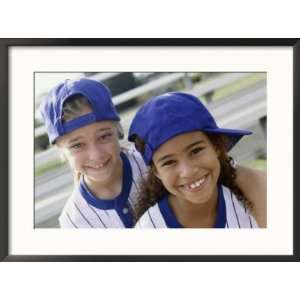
[{"x": 191, "y": 181}]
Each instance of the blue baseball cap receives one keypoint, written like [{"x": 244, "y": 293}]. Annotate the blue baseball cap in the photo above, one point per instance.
[
  {"x": 96, "y": 93},
  {"x": 168, "y": 115}
]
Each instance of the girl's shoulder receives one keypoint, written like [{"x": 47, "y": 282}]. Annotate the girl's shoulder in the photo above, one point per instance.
[
  {"x": 69, "y": 214},
  {"x": 132, "y": 152},
  {"x": 237, "y": 214},
  {"x": 136, "y": 161},
  {"x": 152, "y": 218},
  {"x": 253, "y": 183}
]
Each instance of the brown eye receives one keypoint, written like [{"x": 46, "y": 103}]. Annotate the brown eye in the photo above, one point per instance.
[
  {"x": 196, "y": 150},
  {"x": 168, "y": 163},
  {"x": 106, "y": 137}
]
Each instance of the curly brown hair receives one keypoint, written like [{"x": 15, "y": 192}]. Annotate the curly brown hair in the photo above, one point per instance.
[{"x": 151, "y": 189}]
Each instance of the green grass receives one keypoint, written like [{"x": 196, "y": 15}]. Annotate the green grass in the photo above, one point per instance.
[
  {"x": 49, "y": 166},
  {"x": 259, "y": 164},
  {"x": 238, "y": 85},
  {"x": 219, "y": 94}
]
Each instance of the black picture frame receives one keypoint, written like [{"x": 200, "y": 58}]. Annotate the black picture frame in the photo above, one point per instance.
[{"x": 5, "y": 44}]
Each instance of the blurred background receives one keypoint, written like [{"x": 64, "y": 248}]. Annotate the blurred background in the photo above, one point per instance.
[{"x": 236, "y": 100}]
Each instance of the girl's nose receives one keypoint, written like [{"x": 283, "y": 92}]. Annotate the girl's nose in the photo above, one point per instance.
[
  {"x": 187, "y": 169},
  {"x": 97, "y": 153}
]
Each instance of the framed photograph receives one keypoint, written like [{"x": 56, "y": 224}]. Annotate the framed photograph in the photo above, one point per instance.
[{"x": 245, "y": 84}]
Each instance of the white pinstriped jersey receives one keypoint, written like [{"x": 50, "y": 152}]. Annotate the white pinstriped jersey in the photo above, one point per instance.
[
  {"x": 84, "y": 210},
  {"x": 231, "y": 213}
]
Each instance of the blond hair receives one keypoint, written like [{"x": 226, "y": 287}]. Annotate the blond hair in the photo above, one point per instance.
[{"x": 73, "y": 108}]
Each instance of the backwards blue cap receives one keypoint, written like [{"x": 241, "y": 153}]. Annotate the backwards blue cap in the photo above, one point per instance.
[
  {"x": 168, "y": 115},
  {"x": 96, "y": 93}
]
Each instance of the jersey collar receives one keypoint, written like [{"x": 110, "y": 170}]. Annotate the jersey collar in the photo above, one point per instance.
[{"x": 172, "y": 222}]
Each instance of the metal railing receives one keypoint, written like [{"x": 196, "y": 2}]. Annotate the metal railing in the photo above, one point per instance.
[{"x": 198, "y": 90}]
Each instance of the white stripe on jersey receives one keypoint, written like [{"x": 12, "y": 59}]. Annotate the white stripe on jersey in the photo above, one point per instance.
[
  {"x": 72, "y": 217},
  {"x": 139, "y": 171},
  {"x": 236, "y": 214},
  {"x": 100, "y": 215},
  {"x": 65, "y": 221},
  {"x": 152, "y": 219},
  {"x": 115, "y": 220},
  {"x": 232, "y": 220},
  {"x": 78, "y": 213}
]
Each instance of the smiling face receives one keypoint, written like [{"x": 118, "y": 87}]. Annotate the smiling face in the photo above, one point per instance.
[
  {"x": 188, "y": 167},
  {"x": 94, "y": 151}
]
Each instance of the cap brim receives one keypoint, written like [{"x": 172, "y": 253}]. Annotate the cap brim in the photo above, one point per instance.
[{"x": 234, "y": 135}]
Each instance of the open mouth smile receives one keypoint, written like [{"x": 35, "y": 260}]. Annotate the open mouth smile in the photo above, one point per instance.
[
  {"x": 196, "y": 185},
  {"x": 98, "y": 166}
]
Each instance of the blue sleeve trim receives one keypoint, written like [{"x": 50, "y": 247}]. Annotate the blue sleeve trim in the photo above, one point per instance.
[{"x": 221, "y": 210}]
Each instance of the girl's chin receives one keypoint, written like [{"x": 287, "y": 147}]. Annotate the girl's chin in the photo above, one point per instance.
[
  {"x": 97, "y": 180},
  {"x": 98, "y": 177},
  {"x": 198, "y": 201},
  {"x": 198, "y": 198}
]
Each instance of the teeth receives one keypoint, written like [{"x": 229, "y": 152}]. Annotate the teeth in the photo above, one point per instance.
[
  {"x": 97, "y": 166},
  {"x": 196, "y": 184}
]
